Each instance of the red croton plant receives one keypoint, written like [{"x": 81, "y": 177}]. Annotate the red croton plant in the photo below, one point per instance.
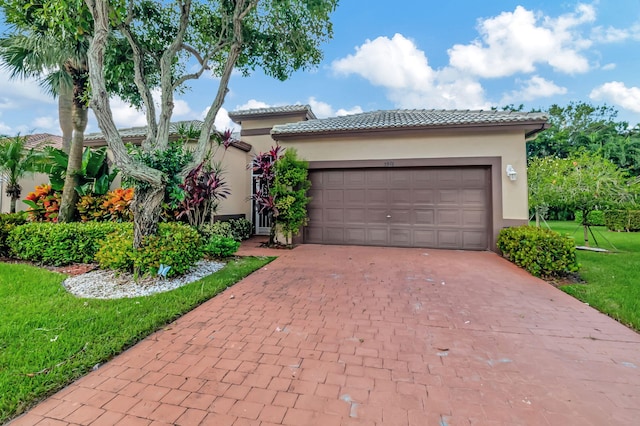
[{"x": 264, "y": 171}]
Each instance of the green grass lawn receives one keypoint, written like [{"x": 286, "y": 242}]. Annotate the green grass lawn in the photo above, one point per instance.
[
  {"x": 48, "y": 338},
  {"x": 612, "y": 279}
]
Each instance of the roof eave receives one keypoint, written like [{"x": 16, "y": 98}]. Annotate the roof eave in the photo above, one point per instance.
[{"x": 532, "y": 128}]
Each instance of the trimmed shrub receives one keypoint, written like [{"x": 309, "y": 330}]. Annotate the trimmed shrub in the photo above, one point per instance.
[
  {"x": 242, "y": 229},
  {"x": 222, "y": 229},
  {"x": 176, "y": 245},
  {"x": 594, "y": 218},
  {"x": 219, "y": 246},
  {"x": 622, "y": 220},
  {"x": 8, "y": 222},
  {"x": 542, "y": 252},
  {"x": 58, "y": 243}
]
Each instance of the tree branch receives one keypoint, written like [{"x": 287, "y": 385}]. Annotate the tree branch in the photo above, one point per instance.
[{"x": 100, "y": 98}]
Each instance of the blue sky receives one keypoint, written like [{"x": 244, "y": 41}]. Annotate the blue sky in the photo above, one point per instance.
[{"x": 460, "y": 54}]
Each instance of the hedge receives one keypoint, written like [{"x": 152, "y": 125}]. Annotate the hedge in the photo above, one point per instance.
[
  {"x": 594, "y": 218},
  {"x": 622, "y": 220},
  {"x": 8, "y": 221},
  {"x": 542, "y": 252}
]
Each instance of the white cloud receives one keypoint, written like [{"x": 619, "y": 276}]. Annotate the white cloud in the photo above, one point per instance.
[
  {"x": 609, "y": 67},
  {"x": 222, "y": 121},
  {"x": 20, "y": 93},
  {"x": 46, "y": 124},
  {"x": 399, "y": 66},
  {"x": 253, "y": 104},
  {"x": 619, "y": 94},
  {"x": 323, "y": 109},
  {"x": 534, "y": 88},
  {"x": 515, "y": 42},
  {"x": 615, "y": 35}
]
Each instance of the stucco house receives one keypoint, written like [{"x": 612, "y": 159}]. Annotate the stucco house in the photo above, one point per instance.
[{"x": 409, "y": 178}]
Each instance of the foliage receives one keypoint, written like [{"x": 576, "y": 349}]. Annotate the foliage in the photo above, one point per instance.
[
  {"x": 219, "y": 228},
  {"x": 622, "y": 220},
  {"x": 15, "y": 162},
  {"x": 583, "y": 182},
  {"x": 169, "y": 162},
  {"x": 290, "y": 192},
  {"x": 203, "y": 188},
  {"x": 114, "y": 206},
  {"x": 242, "y": 229},
  {"x": 219, "y": 246},
  {"x": 595, "y": 218},
  {"x": 176, "y": 245},
  {"x": 264, "y": 172},
  {"x": 8, "y": 221},
  {"x": 43, "y": 203},
  {"x": 87, "y": 332},
  {"x": 59, "y": 243},
  {"x": 542, "y": 252},
  {"x": 93, "y": 177},
  {"x": 238, "y": 229}
]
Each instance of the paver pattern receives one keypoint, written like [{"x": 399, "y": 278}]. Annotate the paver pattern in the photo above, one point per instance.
[{"x": 332, "y": 335}]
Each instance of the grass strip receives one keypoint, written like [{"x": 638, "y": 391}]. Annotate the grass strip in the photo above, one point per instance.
[
  {"x": 612, "y": 279},
  {"x": 49, "y": 338}
]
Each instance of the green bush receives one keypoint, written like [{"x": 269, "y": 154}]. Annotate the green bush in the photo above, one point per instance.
[
  {"x": 176, "y": 245},
  {"x": 594, "y": 218},
  {"x": 222, "y": 229},
  {"x": 622, "y": 220},
  {"x": 8, "y": 221},
  {"x": 542, "y": 252},
  {"x": 59, "y": 243},
  {"x": 219, "y": 246},
  {"x": 242, "y": 229}
]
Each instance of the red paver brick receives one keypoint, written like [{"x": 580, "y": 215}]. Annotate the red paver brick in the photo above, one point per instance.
[
  {"x": 246, "y": 409},
  {"x": 121, "y": 404},
  {"x": 298, "y": 417},
  {"x": 198, "y": 400},
  {"x": 222, "y": 405},
  {"x": 272, "y": 414},
  {"x": 262, "y": 396},
  {"x": 219, "y": 419},
  {"x": 191, "y": 417},
  {"x": 285, "y": 399},
  {"x": 167, "y": 413}
]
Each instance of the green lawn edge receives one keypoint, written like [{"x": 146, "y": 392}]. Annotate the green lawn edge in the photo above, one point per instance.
[
  {"x": 49, "y": 338},
  {"x": 611, "y": 280}
]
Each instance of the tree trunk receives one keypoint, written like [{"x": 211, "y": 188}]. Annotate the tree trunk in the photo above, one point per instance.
[
  {"x": 12, "y": 208},
  {"x": 71, "y": 180},
  {"x": 146, "y": 208},
  {"x": 65, "y": 115},
  {"x": 586, "y": 235}
]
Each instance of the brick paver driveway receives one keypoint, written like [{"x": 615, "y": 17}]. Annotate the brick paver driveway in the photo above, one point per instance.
[{"x": 329, "y": 335}]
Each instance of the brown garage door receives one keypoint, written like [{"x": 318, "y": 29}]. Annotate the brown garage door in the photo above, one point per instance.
[{"x": 439, "y": 207}]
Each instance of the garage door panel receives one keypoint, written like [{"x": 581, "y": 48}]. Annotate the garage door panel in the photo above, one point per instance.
[
  {"x": 355, "y": 216},
  {"x": 376, "y": 216},
  {"x": 400, "y": 237},
  {"x": 402, "y": 216},
  {"x": 355, "y": 235},
  {"x": 474, "y": 240},
  {"x": 354, "y": 197},
  {"x": 441, "y": 207},
  {"x": 333, "y": 179},
  {"x": 424, "y": 196},
  {"x": 376, "y": 197},
  {"x": 424, "y": 238},
  {"x": 334, "y": 216},
  {"x": 449, "y": 217},
  {"x": 378, "y": 236},
  {"x": 472, "y": 218},
  {"x": 425, "y": 217}
]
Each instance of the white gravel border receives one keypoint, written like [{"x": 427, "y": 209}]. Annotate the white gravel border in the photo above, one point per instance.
[{"x": 103, "y": 284}]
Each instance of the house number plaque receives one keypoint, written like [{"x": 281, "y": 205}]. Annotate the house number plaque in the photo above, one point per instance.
[{"x": 388, "y": 163}]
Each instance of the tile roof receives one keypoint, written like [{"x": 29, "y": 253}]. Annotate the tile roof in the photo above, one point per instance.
[
  {"x": 40, "y": 140},
  {"x": 277, "y": 110},
  {"x": 138, "y": 133},
  {"x": 407, "y": 119}
]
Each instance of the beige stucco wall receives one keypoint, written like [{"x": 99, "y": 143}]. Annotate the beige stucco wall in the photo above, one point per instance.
[
  {"x": 509, "y": 146},
  {"x": 28, "y": 185}
]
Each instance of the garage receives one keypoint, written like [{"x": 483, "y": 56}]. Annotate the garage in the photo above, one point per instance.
[{"x": 436, "y": 207}]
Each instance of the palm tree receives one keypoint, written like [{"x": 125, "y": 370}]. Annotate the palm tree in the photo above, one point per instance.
[
  {"x": 15, "y": 162},
  {"x": 61, "y": 66}
]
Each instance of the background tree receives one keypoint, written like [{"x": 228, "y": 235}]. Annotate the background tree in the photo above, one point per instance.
[
  {"x": 583, "y": 182},
  {"x": 15, "y": 162},
  {"x": 218, "y": 36}
]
